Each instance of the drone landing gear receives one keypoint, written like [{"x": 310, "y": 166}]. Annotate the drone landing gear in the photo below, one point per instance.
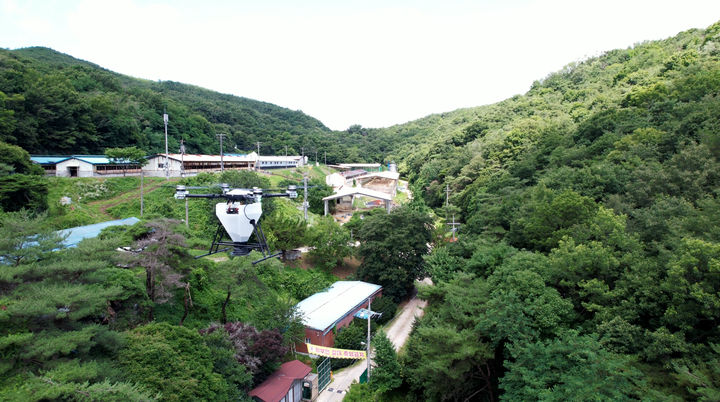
[{"x": 241, "y": 249}]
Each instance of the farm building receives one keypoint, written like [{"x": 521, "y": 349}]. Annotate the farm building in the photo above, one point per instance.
[
  {"x": 178, "y": 164},
  {"x": 345, "y": 198},
  {"x": 48, "y": 162},
  {"x": 385, "y": 182},
  {"x": 83, "y": 166},
  {"x": 192, "y": 164},
  {"x": 370, "y": 167},
  {"x": 279, "y": 162},
  {"x": 333, "y": 309}
]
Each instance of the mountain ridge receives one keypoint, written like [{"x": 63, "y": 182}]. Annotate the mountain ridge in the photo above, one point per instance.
[{"x": 41, "y": 87}]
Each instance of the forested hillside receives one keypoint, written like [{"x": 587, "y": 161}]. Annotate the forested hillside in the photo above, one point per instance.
[
  {"x": 588, "y": 265},
  {"x": 149, "y": 321},
  {"x": 52, "y": 103}
]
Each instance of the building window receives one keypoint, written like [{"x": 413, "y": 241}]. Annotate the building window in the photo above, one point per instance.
[{"x": 307, "y": 340}]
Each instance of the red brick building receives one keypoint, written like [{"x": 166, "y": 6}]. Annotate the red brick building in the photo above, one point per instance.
[{"x": 332, "y": 309}]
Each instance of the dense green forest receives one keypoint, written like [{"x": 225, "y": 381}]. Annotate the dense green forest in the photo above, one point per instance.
[
  {"x": 588, "y": 262},
  {"x": 148, "y": 322},
  {"x": 51, "y": 103},
  {"x": 587, "y": 265}
]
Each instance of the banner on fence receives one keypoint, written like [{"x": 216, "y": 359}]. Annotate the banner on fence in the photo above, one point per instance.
[{"x": 335, "y": 353}]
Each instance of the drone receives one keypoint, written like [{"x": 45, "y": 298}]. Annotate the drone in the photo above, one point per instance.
[{"x": 239, "y": 217}]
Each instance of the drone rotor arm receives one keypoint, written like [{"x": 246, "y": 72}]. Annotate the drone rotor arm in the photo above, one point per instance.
[
  {"x": 272, "y": 195},
  {"x": 205, "y": 196}
]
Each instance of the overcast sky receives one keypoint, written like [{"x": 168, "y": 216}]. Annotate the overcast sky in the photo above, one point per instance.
[{"x": 374, "y": 63}]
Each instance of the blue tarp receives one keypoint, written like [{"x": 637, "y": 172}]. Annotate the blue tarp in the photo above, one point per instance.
[{"x": 77, "y": 234}]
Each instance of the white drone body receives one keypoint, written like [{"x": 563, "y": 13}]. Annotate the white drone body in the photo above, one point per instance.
[{"x": 238, "y": 219}]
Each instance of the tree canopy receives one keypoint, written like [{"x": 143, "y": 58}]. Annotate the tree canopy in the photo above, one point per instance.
[
  {"x": 586, "y": 262},
  {"x": 392, "y": 247}
]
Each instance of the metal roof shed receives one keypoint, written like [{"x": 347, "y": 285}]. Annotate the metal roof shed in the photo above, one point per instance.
[
  {"x": 323, "y": 310},
  {"x": 353, "y": 191}
]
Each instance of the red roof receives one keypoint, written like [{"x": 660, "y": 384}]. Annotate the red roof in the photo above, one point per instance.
[{"x": 278, "y": 384}]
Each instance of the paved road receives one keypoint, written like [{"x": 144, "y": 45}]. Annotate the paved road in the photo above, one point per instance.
[{"x": 397, "y": 331}]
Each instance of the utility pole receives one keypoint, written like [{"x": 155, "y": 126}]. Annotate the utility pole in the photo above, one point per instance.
[
  {"x": 182, "y": 157},
  {"x": 167, "y": 159},
  {"x": 368, "y": 341},
  {"x": 257, "y": 165},
  {"x": 142, "y": 191},
  {"x": 447, "y": 195},
  {"x": 447, "y": 200},
  {"x": 302, "y": 155},
  {"x": 316, "y": 157},
  {"x": 325, "y": 152},
  {"x": 453, "y": 226},
  {"x": 222, "y": 162},
  {"x": 305, "y": 200}
]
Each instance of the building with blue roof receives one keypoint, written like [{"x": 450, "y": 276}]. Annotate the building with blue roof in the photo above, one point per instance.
[
  {"x": 83, "y": 166},
  {"x": 333, "y": 309}
]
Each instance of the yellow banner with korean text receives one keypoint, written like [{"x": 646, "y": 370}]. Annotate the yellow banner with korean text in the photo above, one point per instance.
[{"x": 335, "y": 353}]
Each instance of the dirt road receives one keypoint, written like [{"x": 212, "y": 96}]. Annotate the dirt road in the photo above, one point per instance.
[{"x": 397, "y": 331}]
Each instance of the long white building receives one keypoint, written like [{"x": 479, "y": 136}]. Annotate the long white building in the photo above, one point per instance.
[{"x": 188, "y": 164}]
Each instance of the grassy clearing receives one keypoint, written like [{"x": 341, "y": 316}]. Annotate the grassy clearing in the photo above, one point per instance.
[{"x": 89, "y": 198}]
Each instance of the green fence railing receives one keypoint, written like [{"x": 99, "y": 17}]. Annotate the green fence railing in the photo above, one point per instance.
[{"x": 323, "y": 374}]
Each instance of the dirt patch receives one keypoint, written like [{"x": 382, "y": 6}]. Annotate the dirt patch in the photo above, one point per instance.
[
  {"x": 301, "y": 263},
  {"x": 349, "y": 267}
]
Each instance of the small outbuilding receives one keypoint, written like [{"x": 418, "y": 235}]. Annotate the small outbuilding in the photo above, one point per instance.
[
  {"x": 332, "y": 309},
  {"x": 284, "y": 385}
]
